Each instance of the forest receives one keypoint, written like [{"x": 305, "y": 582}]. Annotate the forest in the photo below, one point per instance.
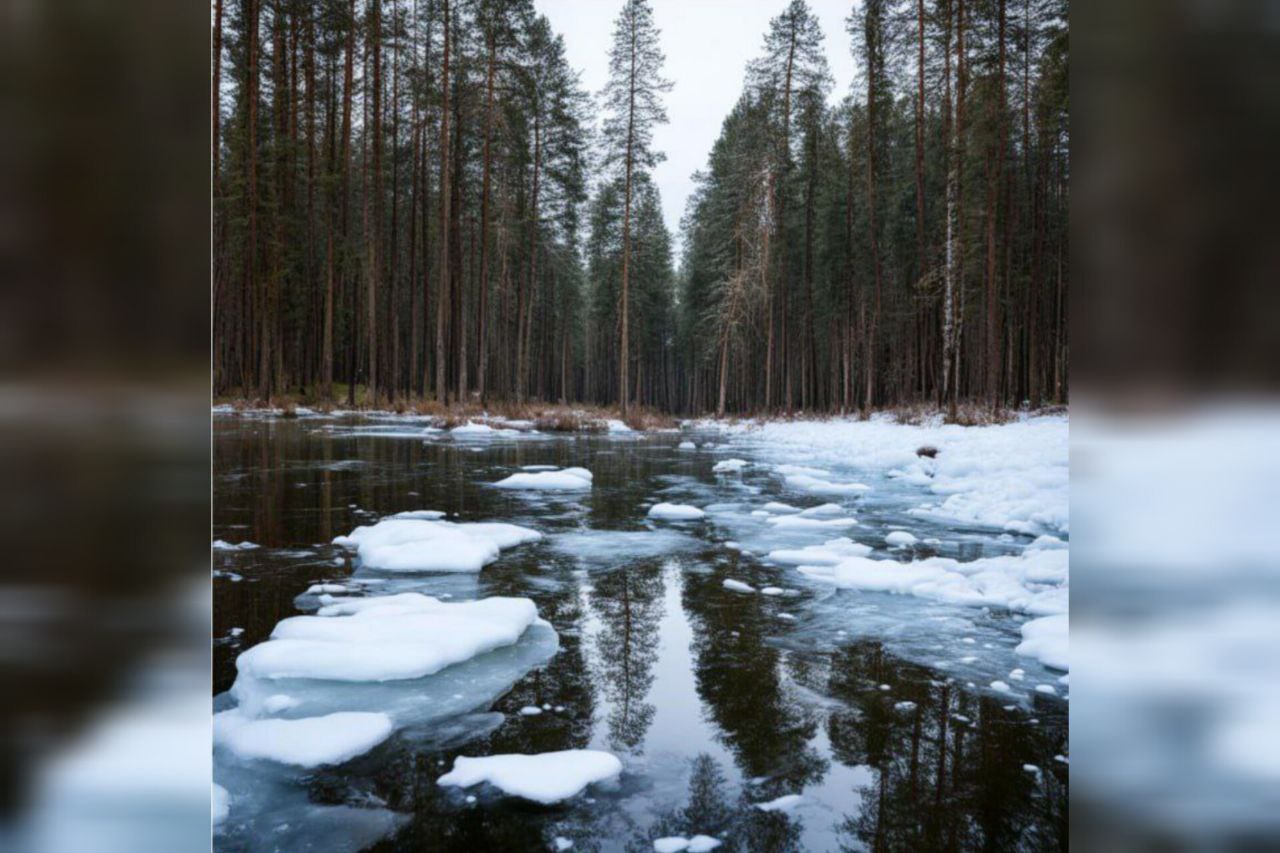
[{"x": 418, "y": 200}]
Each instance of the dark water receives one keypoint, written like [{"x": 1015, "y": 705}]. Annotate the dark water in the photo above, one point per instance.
[{"x": 713, "y": 700}]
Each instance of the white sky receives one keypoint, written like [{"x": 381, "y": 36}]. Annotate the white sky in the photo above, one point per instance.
[{"x": 708, "y": 44}]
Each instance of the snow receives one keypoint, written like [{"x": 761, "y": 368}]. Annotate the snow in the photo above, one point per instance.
[
  {"x": 1010, "y": 476},
  {"x": 560, "y": 843},
  {"x": 616, "y": 426},
  {"x": 530, "y": 710},
  {"x": 410, "y": 545},
  {"x": 772, "y": 590},
  {"x": 675, "y": 512},
  {"x": 565, "y": 480},
  {"x": 1034, "y": 582},
  {"x": 688, "y": 445},
  {"x": 327, "y": 588},
  {"x": 220, "y": 545},
  {"x": 1047, "y": 638},
  {"x": 782, "y": 804},
  {"x": 220, "y": 803},
  {"x": 818, "y": 486},
  {"x": 306, "y": 742},
  {"x": 278, "y": 702},
  {"x": 539, "y": 467},
  {"x": 729, "y": 466},
  {"x": 779, "y": 508},
  {"x": 546, "y": 778},
  {"x": 738, "y": 586},
  {"x": 604, "y": 546},
  {"x": 386, "y": 638},
  {"x": 900, "y": 539},
  {"x": 829, "y": 553},
  {"x": 1000, "y": 686},
  {"x": 680, "y": 844}
]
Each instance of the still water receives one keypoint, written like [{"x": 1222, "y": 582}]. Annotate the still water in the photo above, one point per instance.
[{"x": 872, "y": 707}]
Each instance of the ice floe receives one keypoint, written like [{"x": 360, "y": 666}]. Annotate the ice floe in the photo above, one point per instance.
[
  {"x": 799, "y": 522},
  {"x": 900, "y": 539},
  {"x": 680, "y": 844},
  {"x": 220, "y": 545},
  {"x": 564, "y": 480},
  {"x": 781, "y": 804},
  {"x": 675, "y": 512},
  {"x": 827, "y": 554},
  {"x": 729, "y": 466},
  {"x": 305, "y": 742},
  {"x": 1047, "y": 640},
  {"x": 738, "y": 586},
  {"x": 402, "y": 544},
  {"x": 547, "y": 777}
]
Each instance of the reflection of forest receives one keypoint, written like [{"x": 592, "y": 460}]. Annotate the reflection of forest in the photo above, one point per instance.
[
  {"x": 949, "y": 767},
  {"x": 628, "y": 603}
]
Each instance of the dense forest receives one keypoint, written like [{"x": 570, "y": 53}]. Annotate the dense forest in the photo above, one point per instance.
[{"x": 417, "y": 199}]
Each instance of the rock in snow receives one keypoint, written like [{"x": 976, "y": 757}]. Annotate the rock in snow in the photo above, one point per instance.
[
  {"x": 675, "y": 512},
  {"x": 547, "y": 777},
  {"x": 564, "y": 480}
]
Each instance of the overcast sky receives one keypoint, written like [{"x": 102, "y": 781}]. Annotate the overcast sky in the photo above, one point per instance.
[{"x": 708, "y": 44}]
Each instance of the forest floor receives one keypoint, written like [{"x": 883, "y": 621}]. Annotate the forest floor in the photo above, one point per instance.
[{"x": 561, "y": 417}]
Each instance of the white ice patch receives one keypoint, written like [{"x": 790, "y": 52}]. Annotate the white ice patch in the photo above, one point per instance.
[
  {"x": 421, "y": 514},
  {"x": 220, "y": 545},
  {"x": 782, "y": 804},
  {"x": 738, "y": 586},
  {"x": 386, "y": 638},
  {"x": 827, "y": 554},
  {"x": 616, "y": 426},
  {"x": 779, "y": 508},
  {"x": 680, "y": 844},
  {"x": 824, "y": 511},
  {"x": 219, "y": 803},
  {"x": 565, "y": 480},
  {"x": 675, "y": 512},
  {"x": 818, "y": 486},
  {"x": 688, "y": 445},
  {"x": 799, "y": 522},
  {"x": 590, "y": 546},
  {"x": 547, "y": 777},
  {"x": 413, "y": 545},
  {"x": 305, "y": 742},
  {"x": 900, "y": 539},
  {"x": 1047, "y": 639},
  {"x": 729, "y": 466},
  {"x": 1034, "y": 582}
]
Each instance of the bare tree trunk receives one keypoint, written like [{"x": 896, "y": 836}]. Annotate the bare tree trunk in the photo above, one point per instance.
[
  {"x": 373, "y": 204},
  {"x": 953, "y": 179},
  {"x": 482, "y": 311},
  {"x": 442, "y": 305}
]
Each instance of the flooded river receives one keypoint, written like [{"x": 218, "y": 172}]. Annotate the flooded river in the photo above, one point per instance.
[{"x": 859, "y": 719}]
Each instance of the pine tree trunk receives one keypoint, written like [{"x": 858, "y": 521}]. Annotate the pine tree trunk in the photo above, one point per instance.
[
  {"x": 442, "y": 304},
  {"x": 482, "y": 311}
]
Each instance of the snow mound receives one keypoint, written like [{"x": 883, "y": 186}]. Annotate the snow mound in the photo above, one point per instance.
[
  {"x": 729, "y": 466},
  {"x": 548, "y": 777},
  {"x": 416, "y": 545},
  {"x": 305, "y": 742},
  {"x": 386, "y": 638},
  {"x": 900, "y": 539},
  {"x": 1047, "y": 639},
  {"x": 565, "y": 480},
  {"x": 617, "y": 426},
  {"x": 827, "y": 554},
  {"x": 738, "y": 586},
  {"x": 675, "y": 512}
]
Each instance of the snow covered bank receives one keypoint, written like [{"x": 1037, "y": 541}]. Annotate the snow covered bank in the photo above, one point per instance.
[
  {"x": 1010, "y": 476},
  {"x": 546, "y": 778},
  {"x": 425, "y": 545}
]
